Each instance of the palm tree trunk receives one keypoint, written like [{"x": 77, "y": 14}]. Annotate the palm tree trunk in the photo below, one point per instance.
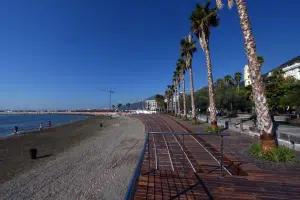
[
  {"x": 175, "y": 94},
  {"x": 171, "y": 104},
  {"x": 192, "y": 91},
  {"x": 212, "y": 105},
  {"x": 238, "y": 87},
  {"x": 178, "y": 100},
  {"x": 184, "y": 95},
  {"x": 168, "y": 105},
  {"x": 263, "y": 113}
]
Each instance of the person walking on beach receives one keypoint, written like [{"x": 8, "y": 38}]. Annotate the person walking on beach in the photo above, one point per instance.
[
  {"x": 49, "y": 124},
  {"x": 41, "y": 126},
  {"x": 16, "y": 130}
]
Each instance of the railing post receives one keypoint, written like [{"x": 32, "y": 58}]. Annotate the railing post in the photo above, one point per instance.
[
  {"x": 222, "y": 174},
  {"x": 149, "y": 163}
]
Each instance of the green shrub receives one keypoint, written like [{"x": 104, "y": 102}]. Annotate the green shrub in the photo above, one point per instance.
[
  {"x": 211, "y": 129},
  {"x": 195, "y": 122},
  {"x": 279, "y": 154},
  {"x": 185, "y": 118},
  {"x": 179, "y": 116},
  {"x": 255, "y": 150}
]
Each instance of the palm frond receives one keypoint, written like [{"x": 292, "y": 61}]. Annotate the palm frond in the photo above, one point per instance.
[
  {"x": 202, "y": 18},
  {"x": 219, "y": 4},
  {"x": 230, "y": 3}
]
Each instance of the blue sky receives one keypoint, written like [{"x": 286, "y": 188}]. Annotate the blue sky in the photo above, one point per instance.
[{"x": 57, "y": 53}]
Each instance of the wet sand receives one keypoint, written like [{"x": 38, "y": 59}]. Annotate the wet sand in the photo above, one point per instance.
[{"x": 77, "y": 161}]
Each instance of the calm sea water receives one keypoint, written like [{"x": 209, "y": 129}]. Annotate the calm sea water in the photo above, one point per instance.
[{"x": 32, "y": 122}]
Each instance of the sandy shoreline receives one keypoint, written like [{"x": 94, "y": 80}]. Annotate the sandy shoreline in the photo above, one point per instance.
[
  {"x": 22, "y": 132},
  {"x": 85, "y": 161},
  {"x": 14, "y": 150}
]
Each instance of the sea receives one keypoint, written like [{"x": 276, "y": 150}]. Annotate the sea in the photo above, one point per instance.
[{"x": 28, "y": 122}]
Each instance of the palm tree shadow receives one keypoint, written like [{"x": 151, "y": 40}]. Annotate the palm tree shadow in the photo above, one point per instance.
[{"x": 44, "y": 156}]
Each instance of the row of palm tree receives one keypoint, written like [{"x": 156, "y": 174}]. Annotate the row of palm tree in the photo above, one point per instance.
[
  {"x": 203, "y": 19},
  {"x": 229, "y": 80}
]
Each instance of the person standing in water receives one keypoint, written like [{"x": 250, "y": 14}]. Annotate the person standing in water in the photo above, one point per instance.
[
  {"x": 49, "y": 124},
  {"x": 16, "y": 130},
  {"x": 41, "y": 126}
]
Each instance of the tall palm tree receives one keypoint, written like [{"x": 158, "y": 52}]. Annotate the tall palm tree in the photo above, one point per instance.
[
  {"x": 178, "y": 90},
  {"x": 171, "y": 89},
  {"x": 237, "y": 78},
  {"x": 182, "y": 66},
  {"x": 260, "y": 100},
  {"x": 175, "y": 91},
  {"x": 228, "y": 80},
  {"x": 187, "y": 49},
  {"x": 168, "y": 94},
  {"x": 160, "y": 101},
  {"x": 202, "y": 19}
]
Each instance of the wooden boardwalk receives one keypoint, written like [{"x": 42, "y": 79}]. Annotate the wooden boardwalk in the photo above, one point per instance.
[{"x": 179, "y": 164}]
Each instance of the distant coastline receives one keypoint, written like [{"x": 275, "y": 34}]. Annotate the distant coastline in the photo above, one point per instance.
[
  {"x": 55, "y": 112},
  {"x": 32, "y": 122}
]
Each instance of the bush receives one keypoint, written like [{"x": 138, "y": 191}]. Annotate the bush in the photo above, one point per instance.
[
  {"x": 211, "y": 129},
  {"x": 195, "y": 122},
  {"x": 279, "y": 154},
  {"x": 179, "y": 116},
  {"x": 185, "y": 118}
]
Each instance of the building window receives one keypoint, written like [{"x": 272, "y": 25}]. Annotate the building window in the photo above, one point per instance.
[
  {"x": 248, "y": 82},
  {"x": 248, "y": 76}
]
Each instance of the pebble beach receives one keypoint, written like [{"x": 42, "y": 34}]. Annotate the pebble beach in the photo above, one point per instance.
[{"x": 76, "y": 161}]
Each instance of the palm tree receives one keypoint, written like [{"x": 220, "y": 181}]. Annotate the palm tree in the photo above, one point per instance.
[
  {"x": 259, "y": 96},
  {"x": 237, "y": 78},
  {"x": 182, "y": 66},
  {"x": 220, "y": 82},
  {"x": 175, "y": 90},
  {"x": 128, "y": 105},
  {"x": 167, "y": 94},
  {"x": 202, "y": 19},
  {"x": 160, "y": 101},
  {"x": 228, "y": 80},
  {"x": 171, "y": 89},
  {"x": 178, "y": 90},
  {"x": 119, "y": 106},
  {"x": 261, "y": 60},
  {"x": 187, "y": 49}
]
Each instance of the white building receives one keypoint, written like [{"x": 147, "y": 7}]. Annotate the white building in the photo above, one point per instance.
[
  {"x": 290, "y": 68},
  {"x": 150, "y": 105}
]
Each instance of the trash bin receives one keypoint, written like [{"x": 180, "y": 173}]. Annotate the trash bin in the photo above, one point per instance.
[
  {"x": 33, "y": 153},
  {"x": 226, "y": 125},
  {"x": 254, "y": 122}
]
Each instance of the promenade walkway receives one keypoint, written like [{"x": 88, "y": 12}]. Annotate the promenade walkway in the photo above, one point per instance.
[{"x": 187, "y": 165}]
